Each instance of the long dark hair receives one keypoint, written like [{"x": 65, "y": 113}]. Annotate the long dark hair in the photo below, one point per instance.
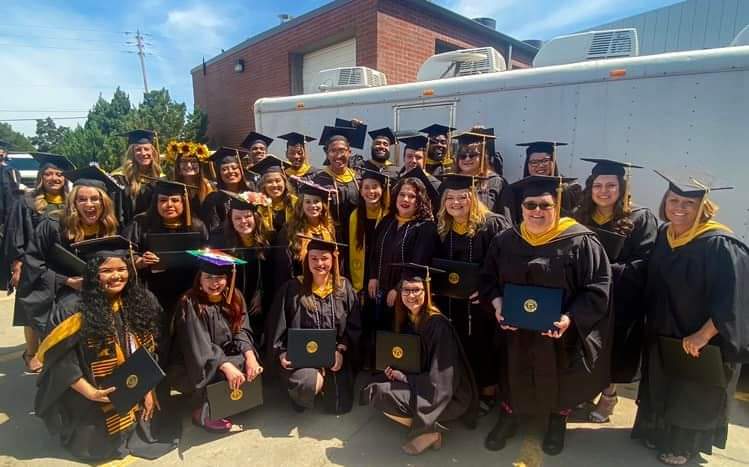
[
  {"x": 623, "y": 225},
  {"x": 423, "y": 203},
  {"x": 234, "y": 312},
  {"x": 140, "y": 310},
  {"x": 151, "y": 220},
  {"x": 361, "y": 212}
]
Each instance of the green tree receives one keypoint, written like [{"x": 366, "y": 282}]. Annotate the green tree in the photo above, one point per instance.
[
  {"x": 195, "y": 127},
  {"x": 48, "y": 135},
  {"x": 18, "y": 141}
]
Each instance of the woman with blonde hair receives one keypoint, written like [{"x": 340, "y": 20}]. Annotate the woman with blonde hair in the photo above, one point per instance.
[
  {"x": 190, "y": 160},
  {"x": 142, "y": 158},
  {"x": 25, "y": 215},
  {"x": 274, "y": 184},
  {"x": 466, "y": 228},
  {"x": 88, "y": 213},
  {"x": 444, "y": 389}
]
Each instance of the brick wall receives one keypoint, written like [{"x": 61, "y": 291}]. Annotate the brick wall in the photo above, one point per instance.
[{"x": 390, "y": 37}]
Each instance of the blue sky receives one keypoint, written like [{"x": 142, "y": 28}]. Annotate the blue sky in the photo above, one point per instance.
[{"x": 56, "y": 58}]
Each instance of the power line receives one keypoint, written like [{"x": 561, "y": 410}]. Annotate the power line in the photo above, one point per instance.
[
  {"x": 79, "y": 39},
  {"x": 42, "y": 111},
  {"x": 60, "y": 48},
  {"x": 32, "y": 26},
  {"x": 35, "y": 119}
]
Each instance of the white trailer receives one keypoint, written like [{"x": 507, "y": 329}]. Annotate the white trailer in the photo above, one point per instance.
[{"x": 675, "y": 112}]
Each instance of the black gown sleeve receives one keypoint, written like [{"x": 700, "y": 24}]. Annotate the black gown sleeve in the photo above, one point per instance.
[
  {"x": 350, "y": 327},
  {"x": 282, "y": 302},
  {"x": 631, "y": 271},
  {"x": 489, "y": 287},
  {"x": 426, "y": 242}
]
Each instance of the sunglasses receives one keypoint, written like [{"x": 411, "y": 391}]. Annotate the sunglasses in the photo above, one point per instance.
[
  {"x": 468, "y": 155},
  {"x": 532, "y": 206}
]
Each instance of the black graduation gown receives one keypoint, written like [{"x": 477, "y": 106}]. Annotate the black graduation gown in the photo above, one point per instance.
[
  {"x": 628, "y": 274},
  {"x": 340, "y": 208},
  {"x": 82, "y": 424},
  {"x": 206, "y": 341},
  {"x": 391, "y": 170},
  {"x": 19, "y": 229},
  {"x": 10, "y": 180},
  {"x": 40, "y": 284},
  {"x": 475, "y": 324},
  {"x": 509, "y": 203},
  {"x": 445, "y": 390},
  {"x": 134, "y": 205},
  {"x": 547, "y": 375},
  {"x": 336, "y": 311},
  {"x": 704, "y": 279},
  {"x": 434, "y": 195},
  {"x": 490, "y": 192},
  {"x": 213, "y": 210},
  {"x": 435, "y": 170}
]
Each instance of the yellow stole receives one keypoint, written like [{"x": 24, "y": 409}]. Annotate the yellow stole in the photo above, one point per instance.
[
  {"x": 347, "y": 176},
  {"x": 278, "y": 206},
  {"x": 325, "y": 290},
  {"x": 601, "y": 219},
  {"x": 357, "y": 254},
  {"x": 301, "y": 171},
  {"x": 90, "y": 230},
  {"x": 460, "y": 229},
  {"x": 402, "y": 220},
  {"x": 54, "y": 199},
  {"x": 546, "y": 237},
  {"x": 317, "y": 232},
  {"x": 675, "y": 242}
]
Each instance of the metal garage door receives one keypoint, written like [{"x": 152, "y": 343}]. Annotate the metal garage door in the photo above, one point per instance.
[{"x": 337, "y": 55}]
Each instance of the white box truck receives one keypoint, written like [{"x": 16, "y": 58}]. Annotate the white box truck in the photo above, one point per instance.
[{"x": 677, "y": 112}]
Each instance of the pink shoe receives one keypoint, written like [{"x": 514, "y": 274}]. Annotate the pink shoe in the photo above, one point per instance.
[{"x": 222, "y": 425}]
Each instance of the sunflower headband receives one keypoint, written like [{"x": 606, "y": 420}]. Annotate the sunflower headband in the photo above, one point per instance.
[{"x": 175, "y": 149}]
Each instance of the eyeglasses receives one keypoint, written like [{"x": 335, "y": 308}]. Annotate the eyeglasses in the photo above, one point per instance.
[
  {"x": 532, "y": 206},
  {"x": 468, "y": 155},
  {"x": 414, "y": 292},
  {"x": 188, "y": 162},
  {"x": 537, "y": 162}
]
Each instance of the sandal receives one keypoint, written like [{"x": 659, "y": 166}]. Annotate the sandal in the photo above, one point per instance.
[
  {"x": 27, "y": 364},
  {"x": 411, "y": 449},
  {"x": 670, "y": 458},
  {"x": 603, "y": 409}
]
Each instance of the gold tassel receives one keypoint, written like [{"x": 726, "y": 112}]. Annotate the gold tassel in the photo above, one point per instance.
[
  {"x": 558, "y": 207},
  {"x": 188, "y": 214},
  {"x": 232, "y": 283},
  {"x": 132, "y": 260}
]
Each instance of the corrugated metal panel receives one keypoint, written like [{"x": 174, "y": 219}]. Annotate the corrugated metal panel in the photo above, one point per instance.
[{"x": 688, "y": 25}]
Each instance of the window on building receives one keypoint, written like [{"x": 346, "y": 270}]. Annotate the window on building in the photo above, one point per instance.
[{"x": 442, "y": 47}]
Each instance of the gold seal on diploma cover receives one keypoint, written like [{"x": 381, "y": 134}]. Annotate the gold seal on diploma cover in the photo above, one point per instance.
[
  {"x": 397, "y": 352},
  {"x": 530, "y": 305},
  {"x": 311, "y": 347},
  {"x": 453, "y": 277},
  {"x": 236, "y": 394},
  {"x": 131, "y": 381}
]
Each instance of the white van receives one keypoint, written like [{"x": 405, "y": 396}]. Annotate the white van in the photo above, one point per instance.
[{"x": 27, "y": 166}]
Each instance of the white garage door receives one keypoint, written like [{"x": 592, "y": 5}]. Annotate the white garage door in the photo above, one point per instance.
[{"x": 342, "y": 54}]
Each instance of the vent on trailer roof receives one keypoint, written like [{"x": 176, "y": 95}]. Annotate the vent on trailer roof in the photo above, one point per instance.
[
  {"x": 355, "y": 77},
  {"x": 464, "y": 62},
  {"x": 591, "y": 45}
]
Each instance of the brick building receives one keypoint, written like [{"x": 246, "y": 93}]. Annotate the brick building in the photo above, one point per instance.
[{"x": 391, "y": 36}]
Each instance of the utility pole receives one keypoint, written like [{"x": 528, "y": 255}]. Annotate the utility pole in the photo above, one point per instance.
[{"x": 140, "y": 43}]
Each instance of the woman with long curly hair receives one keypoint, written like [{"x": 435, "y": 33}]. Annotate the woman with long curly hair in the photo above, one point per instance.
[
  {"x": 141, "y": 158},
  {"x": 320, "y": 299},
  {"x": 97, "y": 332},
  {"x": 88, "y": 213},
  {"x": 407, "y": 234},
  {"x": 243, "y": 235},
  {"x": 274, "y": 184},
  {"x": 444, "y": 389},
  {"x": 466, "y": 228},
  {"x": 190, "y": 162},
  {"x": 475, "y": 150},
  {"x": 214, "y": 337},
  {"x": 25, "y": 215},
  {"x": 607, "y": 209}
]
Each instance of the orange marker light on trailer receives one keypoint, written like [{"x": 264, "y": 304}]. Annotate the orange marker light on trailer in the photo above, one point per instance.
[
  {"x": 428, "y": 92},
  {"x": 618, "y": 73},
  {"x": 300, "y": 105}
]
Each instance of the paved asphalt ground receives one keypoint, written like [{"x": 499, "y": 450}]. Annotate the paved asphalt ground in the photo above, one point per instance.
[{"x": 274, "y": 435}]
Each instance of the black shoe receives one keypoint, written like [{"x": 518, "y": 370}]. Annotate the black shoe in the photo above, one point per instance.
[
  {"x": 554, "y": 439},
  {"x": 504, "y": 429},
  {"x": 297, "y": 408}
]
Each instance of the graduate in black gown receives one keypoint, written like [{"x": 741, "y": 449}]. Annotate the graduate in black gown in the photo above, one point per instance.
[
  {"x": 407, "y": 234},
  {"x": 320, "y": 299},
  {"x": 89, "y": 213},
  {"x": 541, "y": 159},
  {"x": 607, "y": 208},
  {"x": 336, "y": 174},
  {"x": 297, "y": 153},
  {"x": 696, "y": 292},
  {"x": 255, "y": 149},
  {"x": 191, "y": 161},
  {"x": 229, "y": 177},
  {"x": 272, "y": 182},
  {"x": 10, "y": 180},
  {"x": 141, "y": 158},
  {"x": 214, "y": 338},
  {"x": 414, "y": 165},
  {"x": 552, "y": 372},
  {"x": 243, "y": 235},
  {"x": 474, "y": 150},
  {"x": 47, "y": 196},
  {"x": 444, "y": 389},
  {"x": 112, "y": 318},
  {"x": 438, "y": 149},
  {"x": 466, "y": 228},
  {"x": 383, "y": 140}
]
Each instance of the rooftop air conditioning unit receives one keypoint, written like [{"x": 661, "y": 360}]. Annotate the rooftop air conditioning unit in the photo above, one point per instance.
[
  {"x": 355, "y": 77},
  {"x": 742, "y": 38},
  {"x": 462, "y": 62},
  {"x": 591, "y": 45}
]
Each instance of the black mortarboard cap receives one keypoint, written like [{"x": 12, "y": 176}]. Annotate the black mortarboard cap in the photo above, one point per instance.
[
  {"x": 437, "y": 129},
  {"x": 294, "y": 138},
  {"x": 359, "y": 135},
  {"x": 270, "y": 164},
  {"x": 546, "y": 147},
  {"x": 93, "y": 176},
  {"x": 139, "y": 137},
  {"x": 414, "y": 141},
  {"x": 418, "y": 173},
  {"x": 609, "y": 167},
  {"x": 693, "y": 188},
  {"x": 381, "y": 177},
  {"x": 226, "y": 155},
  {"x": 458, "y": 181},
  {"x": 253, "y": 137},
  {"x": 114, "y": 246},
  {"x": 412, "y": 270},
  {"x": 320, "y": 244},
  {"x": 470, "y": 137},
  {"x": 386, "y": 133},
  {"x": 305, "y": 187},
  {"x": 169, "y": 187},
  {"x": 537, "y": 185},
  {"x": 46, "y": 159},
  {"x": 347, "y": 132}
]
